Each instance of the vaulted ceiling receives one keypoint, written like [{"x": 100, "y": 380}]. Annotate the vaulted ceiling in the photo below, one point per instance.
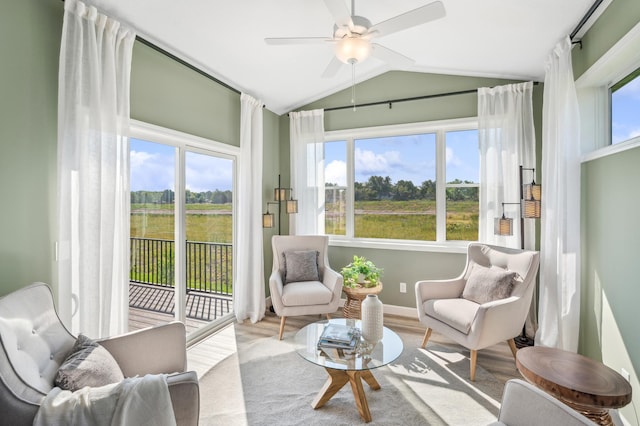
[{"x": 488, "y": 38}]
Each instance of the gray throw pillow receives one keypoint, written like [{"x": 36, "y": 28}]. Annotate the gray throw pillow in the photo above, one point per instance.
[
  {"x": 301, "y": 265},
  {"x": 488, "y": 284},
  {"x": 88, "y": 364}
]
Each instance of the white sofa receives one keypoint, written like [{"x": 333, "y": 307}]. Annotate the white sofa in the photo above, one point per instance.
[{"x": 34, "y": 343}]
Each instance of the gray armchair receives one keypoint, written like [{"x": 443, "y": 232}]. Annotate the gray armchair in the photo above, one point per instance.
[
  {"x": 316, "y": 295},
  {"x": 35, "y": 343},
  {"x": 479, "y": 324}
]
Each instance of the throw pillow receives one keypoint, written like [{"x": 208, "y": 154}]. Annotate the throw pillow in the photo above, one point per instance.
[
  {"x": 88, "y": 364},
  {"x": 301, "y": 266},
  {"x": 488, "y": 284}
]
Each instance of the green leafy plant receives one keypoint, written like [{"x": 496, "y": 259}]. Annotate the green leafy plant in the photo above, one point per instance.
[{"x": 361, "y": 273}]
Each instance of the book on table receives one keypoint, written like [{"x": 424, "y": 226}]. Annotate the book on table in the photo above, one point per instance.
[{"x": 338, "y": 336}]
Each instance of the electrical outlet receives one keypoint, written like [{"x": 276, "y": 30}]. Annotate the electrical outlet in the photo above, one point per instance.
[
  {"x": 625, "y": 374},
  {"x": 403, "y": 287}
]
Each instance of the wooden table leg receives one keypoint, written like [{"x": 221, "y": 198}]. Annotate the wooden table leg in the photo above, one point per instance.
[
  {"x": 337, "y": 379},
  {"x": 355, "y": 378}
]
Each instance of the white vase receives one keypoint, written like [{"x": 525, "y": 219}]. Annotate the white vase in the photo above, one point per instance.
[{"x": 372, "y": 318}]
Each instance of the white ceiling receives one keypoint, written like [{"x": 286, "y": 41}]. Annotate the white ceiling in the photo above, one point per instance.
[{"x": 487, "y": 38}]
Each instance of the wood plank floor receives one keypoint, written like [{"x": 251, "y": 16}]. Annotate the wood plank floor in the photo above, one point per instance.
[{"x": 497, "y": 359}]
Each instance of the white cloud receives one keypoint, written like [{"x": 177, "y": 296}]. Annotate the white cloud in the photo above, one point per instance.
[
  {"x": 151, "y": 172},
  {"x": 336, "y": 172},
  {"x": 370, "y": 163},
  {"x": 452, "y": 159}
]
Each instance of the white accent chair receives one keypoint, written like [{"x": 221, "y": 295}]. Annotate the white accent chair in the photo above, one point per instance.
[
  {"x": 304, "y": 297},
  {"x": 34, "y": 343},
  {"x": 442, "y": 308},
  {"x": 525, "y": 405}
]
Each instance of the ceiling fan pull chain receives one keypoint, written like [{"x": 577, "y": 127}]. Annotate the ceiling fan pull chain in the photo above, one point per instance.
[{"x": 353, "y": 84}]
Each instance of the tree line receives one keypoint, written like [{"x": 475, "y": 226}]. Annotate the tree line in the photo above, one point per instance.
[
  {"x": 167, "y": 197},
  {"x": 379, "y": 188}
]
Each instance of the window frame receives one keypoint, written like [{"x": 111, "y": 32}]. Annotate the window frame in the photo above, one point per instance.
[
  {"x": 594, "y": 97},
  {"x": 439, "y": 128}
]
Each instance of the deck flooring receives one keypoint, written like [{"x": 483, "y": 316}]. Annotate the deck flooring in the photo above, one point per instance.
[
  {"x": 200, "y": 305},
  {"x": 153, "y": 305}
]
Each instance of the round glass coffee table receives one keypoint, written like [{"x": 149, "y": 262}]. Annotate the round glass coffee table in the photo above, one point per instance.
[{"x": 344, "y": 368}]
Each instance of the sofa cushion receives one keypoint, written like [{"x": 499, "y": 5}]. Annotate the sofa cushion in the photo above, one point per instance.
[
  {"x": 88, "y": 364},
  {"x": 300, "y": 265},
  {"x": 488, "y": 284},
  {"x": 306, "y": 293},
  {"x": 457, "y": 313}
]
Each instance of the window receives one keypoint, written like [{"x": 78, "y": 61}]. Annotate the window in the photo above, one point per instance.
[
  {"x": 403, "y": 183},
  {"x": 625, "y": 108}
]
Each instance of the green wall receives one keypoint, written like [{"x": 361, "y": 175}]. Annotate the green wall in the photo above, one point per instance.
[
  {"x": 610, "y": 229},
  {"x": 404, "y": 265},
  {"x": 30, "y": 33}
]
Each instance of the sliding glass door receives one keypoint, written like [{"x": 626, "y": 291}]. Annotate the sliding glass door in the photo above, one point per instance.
[{"x": 182, "y": 228}]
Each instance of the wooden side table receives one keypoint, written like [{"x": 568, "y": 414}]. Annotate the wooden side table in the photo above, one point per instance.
[
  {"x": 587, "y": 386},
  {"x": 355, "y": 296}
]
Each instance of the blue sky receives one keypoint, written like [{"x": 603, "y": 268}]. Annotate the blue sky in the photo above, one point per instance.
[
  {"x": 153, "y": 169},
  {"x": 625, "y": 112},
  {"x": 405, "y": 158}
]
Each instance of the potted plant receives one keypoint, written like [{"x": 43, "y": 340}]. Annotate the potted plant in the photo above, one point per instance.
[{"x": 361, "y": 273}]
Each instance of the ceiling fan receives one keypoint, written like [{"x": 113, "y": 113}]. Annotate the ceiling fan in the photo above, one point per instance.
[{"x": 352, "y": 34}]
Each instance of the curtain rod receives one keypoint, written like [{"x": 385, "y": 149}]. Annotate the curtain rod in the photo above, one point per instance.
[
  {"x": 585, "y": 18},
  {"x": 390, "y": 102},
  {"x": 185, "y": 63}
]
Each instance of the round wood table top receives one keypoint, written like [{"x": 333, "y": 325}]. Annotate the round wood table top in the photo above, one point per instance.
[{"x": 573, "y": 378}]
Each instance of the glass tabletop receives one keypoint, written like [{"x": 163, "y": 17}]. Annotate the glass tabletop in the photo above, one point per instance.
[{"x": 366, "y": 357}]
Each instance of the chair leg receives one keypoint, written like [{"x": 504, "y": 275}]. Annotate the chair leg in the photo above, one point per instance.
[
  {"x": 427, "y": 334},
  {"x": 512, "y": 346},
  {"x": 282, "y": 320},
  {"x": 474, "y": 358}
]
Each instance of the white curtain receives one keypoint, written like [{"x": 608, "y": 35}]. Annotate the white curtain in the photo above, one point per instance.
[
  {"x": 248, "y": 290},
  {"x": 507, "y": 141},
  {"x": 560, "y": 229},
  {"x": 93, "y": 171},
  {"x": 307, "y": 171}
]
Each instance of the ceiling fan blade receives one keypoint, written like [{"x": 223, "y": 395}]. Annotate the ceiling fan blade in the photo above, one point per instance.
[
  {"x": 340, "y": 12},
  {"x": 421, "y": 15},
  {"x": 393, "y": 58},
  {"x": 333, "y": 68},
  {"x": 296, "y": 40}
]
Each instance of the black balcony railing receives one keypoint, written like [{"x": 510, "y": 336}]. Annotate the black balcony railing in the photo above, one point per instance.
[{"x": 209, "y": 265}]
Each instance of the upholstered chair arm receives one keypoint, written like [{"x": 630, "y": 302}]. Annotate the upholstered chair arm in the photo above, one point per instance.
[
  {"x": 275, "y": 288},
  {"x": 155, "y": 350},
  {"x": 185, "y": 397},
  {"x": 495, "y": 321},
  {"x": 439, "y": 289},
  {"x": 333, "y": 281}
]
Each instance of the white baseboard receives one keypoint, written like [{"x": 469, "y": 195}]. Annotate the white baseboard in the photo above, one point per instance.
[{"x": 401, "y": 311}]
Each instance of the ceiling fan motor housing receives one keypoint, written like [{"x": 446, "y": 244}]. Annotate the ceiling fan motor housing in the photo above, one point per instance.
[{"x": 352, "y": 46}]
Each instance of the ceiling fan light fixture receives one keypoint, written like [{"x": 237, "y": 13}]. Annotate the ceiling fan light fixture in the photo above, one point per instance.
[{"x": 352, "y": 50}]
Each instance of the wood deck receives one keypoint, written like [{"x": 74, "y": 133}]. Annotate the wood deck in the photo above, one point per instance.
[{"x": 153, "y": 305}]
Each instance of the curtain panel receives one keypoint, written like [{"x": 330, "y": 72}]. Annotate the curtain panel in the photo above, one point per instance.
[
  {"x": 560, "y": 228},
  {"x": 307, "y": 171},
  {"x": 248, "y": 290},
  {"x": 93, "y": 171},
  {"x": 507, "y": 140}
]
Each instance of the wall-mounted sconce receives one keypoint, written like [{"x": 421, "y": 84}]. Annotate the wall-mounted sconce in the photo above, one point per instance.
[
  {"x": 530, "y": 207},
  {"x": 279, "y": 195}
]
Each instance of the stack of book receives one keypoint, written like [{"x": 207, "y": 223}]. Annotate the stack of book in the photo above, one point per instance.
[{"x": 338, "y": 336}]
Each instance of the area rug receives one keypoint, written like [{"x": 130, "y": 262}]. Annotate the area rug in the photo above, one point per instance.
[{"x": 267, "y": 383}]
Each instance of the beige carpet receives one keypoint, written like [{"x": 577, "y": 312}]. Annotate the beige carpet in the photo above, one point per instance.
[{"x": 267, "y": 383}]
